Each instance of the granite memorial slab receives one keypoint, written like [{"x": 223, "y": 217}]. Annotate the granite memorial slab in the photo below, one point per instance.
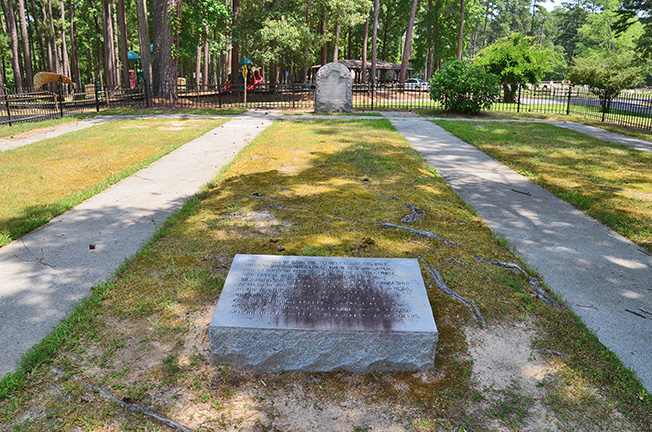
[
  {"x": 333, "y": 89},
  {"x": 284, "y": 313}
]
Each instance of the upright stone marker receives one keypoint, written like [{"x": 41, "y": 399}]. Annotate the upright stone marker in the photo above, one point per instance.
[
  {"x": 334, "y": 89},
  {"x": 280, "y": 313}
]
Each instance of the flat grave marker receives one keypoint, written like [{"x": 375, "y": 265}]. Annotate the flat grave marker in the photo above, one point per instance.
[{"x": 287, "y": 313}]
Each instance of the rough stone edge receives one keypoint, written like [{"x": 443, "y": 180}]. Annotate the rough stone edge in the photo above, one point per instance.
[{"x": 281, "y": 350}]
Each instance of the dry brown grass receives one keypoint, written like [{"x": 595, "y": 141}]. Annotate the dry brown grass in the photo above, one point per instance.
[
  {"x": 147, "y": 340},
  {"x": 42, "y": 180}
]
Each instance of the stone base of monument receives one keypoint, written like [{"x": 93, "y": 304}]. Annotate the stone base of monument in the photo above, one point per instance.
[{"x": 279, "y": 313}]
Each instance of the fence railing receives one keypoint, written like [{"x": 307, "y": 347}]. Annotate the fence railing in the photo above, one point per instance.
[{"x": 630, "y": 108}]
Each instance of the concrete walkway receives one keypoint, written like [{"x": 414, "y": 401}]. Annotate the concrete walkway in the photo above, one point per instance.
[
  {"x": 46, "y": 272},
  {"x": 603, "y": 277},
  {"x": 52, "y": 131},
  {"x": 637, "y": 143}
]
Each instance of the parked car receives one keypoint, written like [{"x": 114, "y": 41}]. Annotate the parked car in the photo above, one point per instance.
[{"x": 416, "y": 84}]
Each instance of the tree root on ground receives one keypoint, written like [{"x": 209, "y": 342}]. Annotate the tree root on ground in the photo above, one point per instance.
[
  {"x": 422, "y": 233},
  {"x": 153, "y": 414},
  {"x": 416, "y": 213},
  {"x": 533, "y": 282},
  {"x": 444, "y": 288}
]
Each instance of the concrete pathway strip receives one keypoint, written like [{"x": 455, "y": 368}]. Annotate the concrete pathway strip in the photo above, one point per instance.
[
  {"x": 36, "y": 135},
  {"x": 603, "y": 277},
  {"x": 637, "y": 143},
  {"x": 46, "y": 272}
]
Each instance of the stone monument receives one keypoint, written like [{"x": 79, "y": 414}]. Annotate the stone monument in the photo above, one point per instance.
[
  {"x": 280, "y": 313},
  {"x": 334, "y": 89}
]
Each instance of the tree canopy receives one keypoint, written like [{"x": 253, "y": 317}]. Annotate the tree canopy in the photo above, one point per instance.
[
  {"x": 516, "y": 59},
  {"x": 88, "y": 39}
]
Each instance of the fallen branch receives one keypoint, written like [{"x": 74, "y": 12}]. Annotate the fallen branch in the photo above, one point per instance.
[
  {"x": 636, "y": 313},
  {"x": 416, "y": 213},
  {"x": 444, "y": 288},
  {"x": 419, "y": 232},
  {"x": 128, "y": 405}
]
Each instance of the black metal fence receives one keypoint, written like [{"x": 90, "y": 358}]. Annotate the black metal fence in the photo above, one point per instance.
[{"x": 630, "y": 108}]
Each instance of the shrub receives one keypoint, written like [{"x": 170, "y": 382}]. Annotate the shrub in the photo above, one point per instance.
[{"x": 464, "y": 88}]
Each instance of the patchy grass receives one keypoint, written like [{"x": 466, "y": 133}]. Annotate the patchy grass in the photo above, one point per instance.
[
  {"x": 18, "y": 128},
  {"x": 355, "y": 113},
  {"x": 610, "y": 182},
  {"x": 143, "y": 336},
  {"x": 513, "y": 115},
  {"x": 151, "y": 111},
  {"x": 44, "y": 179}
]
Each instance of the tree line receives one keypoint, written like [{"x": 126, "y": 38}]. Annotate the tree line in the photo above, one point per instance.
[{"x": 204, "y": 40}]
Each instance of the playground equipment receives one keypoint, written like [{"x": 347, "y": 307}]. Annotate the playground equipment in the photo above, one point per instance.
[{"x": 254, "y": 79}]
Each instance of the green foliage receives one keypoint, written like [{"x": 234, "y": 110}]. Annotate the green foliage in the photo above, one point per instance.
[
  {"x": 463, "y": 87},
  {"x": 517, "y": 59},
  {"x": 606, "y": 76}
]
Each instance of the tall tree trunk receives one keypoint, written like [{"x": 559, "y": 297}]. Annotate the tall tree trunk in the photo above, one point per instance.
[
  {"x": 207, "y": 60},
  {"x": 143, "y": 40},
  {"x": 64, "y": 44},
  {"x": 109, "y": 50},
  {"x": 53, "y": 40},
  {"x": 38, "y": 31},
  {"x": 460, "y": 33},
  {"x": 198, "y": 66},
  {"x": 164, "y": 66},
  {"x": 374, "y": 41},
  {"x": 10, "y": 19},
  {"x": 407, "y": 51},
  {"x": 336, "y": 48},
  {"x": 98, "y": 47},
  {"x": 116, "y": 44},
  {"x": 27, "y": 56},
  {"x": 235, "y": 47},
  {"x": 122, "y": 19},
  {"x": 365, "y": 39},
  {"x": 74, "y": 57},
  {"x": 48, "y": 40},
  {"x": 429, "y": 42},
  {"x": 324, "y": 46},
  {"x": 349, "y": 46}
]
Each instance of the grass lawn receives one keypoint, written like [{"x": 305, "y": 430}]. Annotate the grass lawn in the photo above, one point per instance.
[
  {"x": 44, "y": 179},
  {"x": 610, "y": 182},
  {"x": 354, "y": 113},
  {"x": 152, "y": 111},
  {"x": 512, "y": 115},
  {"x": 142, "y": 336},
  {"x": 18, "y": 128}
]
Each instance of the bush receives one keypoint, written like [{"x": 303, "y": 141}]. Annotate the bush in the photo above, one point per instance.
[{"x": 464, "y": 88}]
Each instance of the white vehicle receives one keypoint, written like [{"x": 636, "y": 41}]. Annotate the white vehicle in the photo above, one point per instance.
[{"x": 416, "y": 84}]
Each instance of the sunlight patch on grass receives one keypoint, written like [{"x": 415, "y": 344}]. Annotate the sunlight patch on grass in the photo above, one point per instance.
[
  {"x": 609, "y": 182},
  {"x": 42, "y": 180},
  {"x": 148, "y": 341}
]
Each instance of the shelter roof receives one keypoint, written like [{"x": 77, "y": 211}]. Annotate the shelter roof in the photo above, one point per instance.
[{"x": 357, "y": 65}]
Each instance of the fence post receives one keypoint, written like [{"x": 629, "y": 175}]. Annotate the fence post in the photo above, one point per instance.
[
  {"x": 518, "y": 102},
  {"x": 7, "y": 101},
  {"x": 60, "y": 98},
  {"x": 97, "y": 96},
  {"x": 570, "y": 88},
  {"x": 372, "y": 94}
]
